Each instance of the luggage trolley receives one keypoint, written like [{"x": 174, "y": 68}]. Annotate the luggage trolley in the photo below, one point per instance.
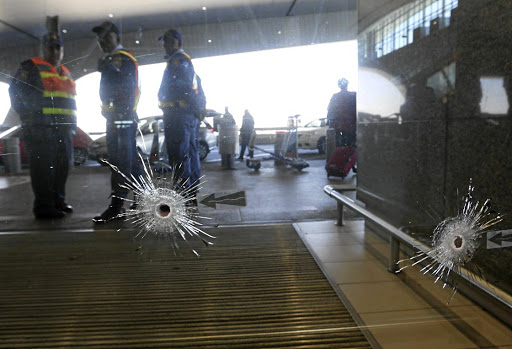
[{"x": 286, "y": 148}]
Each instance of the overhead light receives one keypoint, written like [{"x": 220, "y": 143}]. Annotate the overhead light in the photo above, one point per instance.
[
  {"x": 137, "y": 42},
  {"x": 111, "y": 15},
  {"x": 64, "y": 31},
  {"x": 210, "y": 40},
  {"x": 279, "y": 32},
  {"x": 204, "y": 8}
]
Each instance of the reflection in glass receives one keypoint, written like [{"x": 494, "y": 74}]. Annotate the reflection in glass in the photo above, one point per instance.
[
  {"x": 494, "y": 97},
  {"x": 449, "y": 87}
]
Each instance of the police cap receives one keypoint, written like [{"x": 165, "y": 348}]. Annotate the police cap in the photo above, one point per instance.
[
  {"x": 50, "y": 39},
  {"x": 106, "y": 27},
  {"x": 172, "y": 33}
]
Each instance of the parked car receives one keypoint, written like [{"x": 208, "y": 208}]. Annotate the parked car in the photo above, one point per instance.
[
  {"x": 81, "y": 142},
  {"x": 312, "y": 135},
  {"x": 148, "y": 127},
  {"x": 216, "y": 118}
]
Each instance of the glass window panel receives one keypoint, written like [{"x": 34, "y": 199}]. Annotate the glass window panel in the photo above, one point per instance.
[
  {"x": 5, "y": 102},
  {"x": 494, "y": 97}
]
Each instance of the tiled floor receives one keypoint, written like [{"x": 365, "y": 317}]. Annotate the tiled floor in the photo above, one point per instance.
[{"x": 397, "y": 316}]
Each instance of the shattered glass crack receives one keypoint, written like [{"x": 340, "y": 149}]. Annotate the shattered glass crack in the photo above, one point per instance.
[
  {"x": 163, "y": 208},
  {"x": 456, "y": 241}
]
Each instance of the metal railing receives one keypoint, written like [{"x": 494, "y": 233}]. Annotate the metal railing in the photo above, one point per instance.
[{"x": 396, "y": 236}]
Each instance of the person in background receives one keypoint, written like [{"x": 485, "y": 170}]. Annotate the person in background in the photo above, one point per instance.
[
  {"x": 228, "y": 117},
  {"x": 341, "y": 114},
  {"x": 119, "y": 93},
  {"x": 245, "y": 132},
  {"x": 179, "y": 99},
  {"x": 43, "y": 94}
]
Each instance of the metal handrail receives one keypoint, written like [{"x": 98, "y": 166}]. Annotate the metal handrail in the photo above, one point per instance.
[{"x": 397, "y": 236}]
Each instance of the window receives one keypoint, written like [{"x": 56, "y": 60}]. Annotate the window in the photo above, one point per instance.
[
  {"x": 494, "y": 97},
  {"x": 5, "y": 102},
  {"x": 405, "y": 25}
]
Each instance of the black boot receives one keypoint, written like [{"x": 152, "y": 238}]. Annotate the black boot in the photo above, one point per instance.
[
  {"x": 114, "y": 211},
  {"x": 48, "y": 213},
  {"x": 64, "y": 207}
]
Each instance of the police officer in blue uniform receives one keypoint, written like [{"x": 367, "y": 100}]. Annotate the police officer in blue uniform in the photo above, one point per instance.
[
  {"x": 43, "y": 94},
  {"x": 119, "y": 93},
  {"x": 181, "y": 104}
]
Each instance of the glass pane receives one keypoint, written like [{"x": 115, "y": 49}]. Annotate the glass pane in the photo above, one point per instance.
[
  {"x": 422, "y": 108},
  {"x": 236, "y": 122}
]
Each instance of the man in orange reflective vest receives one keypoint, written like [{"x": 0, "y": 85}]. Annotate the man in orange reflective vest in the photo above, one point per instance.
[
  {"x": 43, "y": 94},
  {"x": 119, "y": 94}
]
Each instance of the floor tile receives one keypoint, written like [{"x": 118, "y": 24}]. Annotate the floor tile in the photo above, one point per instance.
[
  {"x": 371, "y": 238},
  {"x": 383, "y": 250},
  {"x": 355, "y": 272},
  {"x": 435, "y": 290},
  {"x": 418, "y": 329},
  {"x": 492, "y": 329},
  {"x": 382, "y": 296},
  {"x": 329, "y": 239},
  {"x": 342, "y": 253},
  {"x": 398, "y": 316}
]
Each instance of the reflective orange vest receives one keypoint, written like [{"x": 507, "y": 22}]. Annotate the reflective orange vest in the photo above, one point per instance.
[
  {"x": 59, "y": 91},
  {"x": 109, "y": 107}
]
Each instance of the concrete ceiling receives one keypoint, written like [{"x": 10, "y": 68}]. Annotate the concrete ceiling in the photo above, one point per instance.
[{"x": 23, "y": 21}]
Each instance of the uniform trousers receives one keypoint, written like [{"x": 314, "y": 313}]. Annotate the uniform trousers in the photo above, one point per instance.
[
  {"x": 50, "y": 150},
  {"x": 195, "y": 161},
  {"x": 181, "y": 142},
  {"x": 122, "y": 153}
]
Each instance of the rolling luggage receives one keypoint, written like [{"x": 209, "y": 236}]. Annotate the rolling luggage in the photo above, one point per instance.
[{"x": 340, "y": 163}]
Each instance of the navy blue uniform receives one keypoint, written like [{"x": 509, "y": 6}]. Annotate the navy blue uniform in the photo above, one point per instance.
[
  {"x": 48, "y": 119},
  {"x": 119, "y": 93},
  {"x": 178, "y": 99}
]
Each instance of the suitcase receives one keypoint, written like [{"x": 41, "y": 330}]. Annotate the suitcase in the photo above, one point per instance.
[{"x": 340, "y": 163}]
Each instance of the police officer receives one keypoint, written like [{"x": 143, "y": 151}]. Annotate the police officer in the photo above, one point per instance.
[
  {"x": 43, "y": 94},
  {"x": 179, "y": 100},
  {"x": 119, "y": 93}
]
